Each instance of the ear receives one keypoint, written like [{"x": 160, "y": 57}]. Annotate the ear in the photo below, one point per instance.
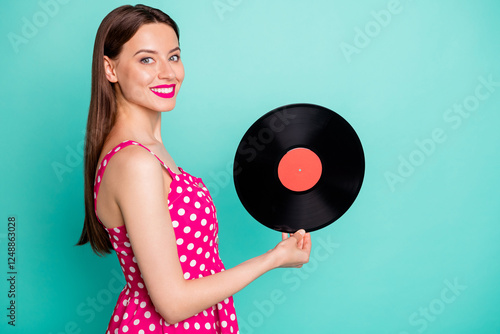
[{"x": 109, "y": 70}]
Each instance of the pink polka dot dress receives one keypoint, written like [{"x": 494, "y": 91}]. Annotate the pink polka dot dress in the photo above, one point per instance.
[{"x": 195, "y": 225}]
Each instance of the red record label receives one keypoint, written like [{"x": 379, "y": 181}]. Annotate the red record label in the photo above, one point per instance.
[{"x": 299, "y": 169}]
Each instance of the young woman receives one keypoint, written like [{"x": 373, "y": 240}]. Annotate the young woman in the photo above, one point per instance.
[{"x": 159, "y": 219}]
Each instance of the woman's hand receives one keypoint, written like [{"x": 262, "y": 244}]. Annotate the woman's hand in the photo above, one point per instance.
[{"x": 293, "y": 251}]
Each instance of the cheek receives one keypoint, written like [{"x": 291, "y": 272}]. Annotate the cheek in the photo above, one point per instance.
[
  {"x": 137, "y": 81},
  {"x": 180, "y": 72}
]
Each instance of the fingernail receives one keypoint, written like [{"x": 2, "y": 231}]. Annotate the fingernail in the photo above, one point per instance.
[{"x": 302, "y": 232}]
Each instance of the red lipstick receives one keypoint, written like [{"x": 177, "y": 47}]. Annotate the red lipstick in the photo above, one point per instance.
[{"x": 164, "y": 91}]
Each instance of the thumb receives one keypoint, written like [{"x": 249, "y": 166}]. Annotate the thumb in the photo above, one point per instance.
[{"x": 299, "y": 235}]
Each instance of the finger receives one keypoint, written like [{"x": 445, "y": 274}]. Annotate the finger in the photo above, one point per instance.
[
  {"x": 300, "y": 244},
  {"x": 307, "y": 243},
  {"x": 284, "y": 236},
  {"x": 298, "y": 235}
]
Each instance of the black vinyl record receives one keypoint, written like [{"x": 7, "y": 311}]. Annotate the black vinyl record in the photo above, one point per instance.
[{"x": 299, "y": 166}]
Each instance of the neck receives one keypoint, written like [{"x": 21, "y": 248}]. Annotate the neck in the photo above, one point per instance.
[{"x": 133, "y": 121}]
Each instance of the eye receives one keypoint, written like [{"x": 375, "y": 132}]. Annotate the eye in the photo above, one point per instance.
[
  {"x": 147, "y": 60},
  {"x": 175, "y": 57}
]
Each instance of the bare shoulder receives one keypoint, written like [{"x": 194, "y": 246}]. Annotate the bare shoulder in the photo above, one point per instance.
[{"x": 133, "y": 171}]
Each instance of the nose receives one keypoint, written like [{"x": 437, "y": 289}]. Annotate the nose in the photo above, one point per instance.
[{"x": 166, "y": 71}]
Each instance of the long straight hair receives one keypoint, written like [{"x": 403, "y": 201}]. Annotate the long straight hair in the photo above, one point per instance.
[{"x": 116, "y": 29}]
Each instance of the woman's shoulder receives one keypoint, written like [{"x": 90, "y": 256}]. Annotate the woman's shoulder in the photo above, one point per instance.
[{"x": 128, "y": 157}]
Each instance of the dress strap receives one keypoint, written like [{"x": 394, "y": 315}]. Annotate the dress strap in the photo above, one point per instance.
[{"x": 105, "y": 160}]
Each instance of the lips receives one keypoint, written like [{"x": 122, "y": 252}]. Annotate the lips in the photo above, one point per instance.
[{"x": 164, "y": 91}]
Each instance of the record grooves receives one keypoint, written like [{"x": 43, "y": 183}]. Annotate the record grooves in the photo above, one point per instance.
[{"x": 299, "y": 166}]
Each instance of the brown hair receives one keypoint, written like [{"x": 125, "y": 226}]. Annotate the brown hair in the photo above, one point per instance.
[{"x": 116, "y": 29}]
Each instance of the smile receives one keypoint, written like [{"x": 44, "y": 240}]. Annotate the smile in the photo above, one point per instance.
[{"x": 164, "y": 91}]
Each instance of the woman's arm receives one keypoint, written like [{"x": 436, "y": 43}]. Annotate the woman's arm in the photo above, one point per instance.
[{"x": 140, "y": 195}]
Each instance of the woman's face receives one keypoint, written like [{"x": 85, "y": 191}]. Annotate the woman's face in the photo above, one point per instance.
[{"x": 148, "y": 72}]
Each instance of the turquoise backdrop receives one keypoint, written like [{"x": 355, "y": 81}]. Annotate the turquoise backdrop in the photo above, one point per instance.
[{"x": 419, "y": 250}]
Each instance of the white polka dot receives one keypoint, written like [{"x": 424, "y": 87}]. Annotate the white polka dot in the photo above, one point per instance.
[
  {"x": 187, "y": 229},
  {"x": 127, "y": 244},
  {"x": 134, "y": 259},
  {"x": 196, "y": 325},
  {"x": 105, "y": 162},
  {"x": 226, "y": 300},
  {"x": 180, "y": 241},
  {"x": 124, "y": 253},
  {"x": 125, "y": 316},
  {"x": 143, "y": 304},
  {"x": 211, "y": 227},
  {"x": 207, "y": 210},
  {"x": 187, "y": 275},
  {"x": 202, "y": 267},
  {"x": 189, "y": 189},
  {"x": 140, "y": 285},
  {"x": 190, "y": 246},
  {"x": 122, "y": 261},
  {"x": 141, "y": 332},
  {"x": 115, "y": 245},
  {"x": 199, "y": 250},
  {"x": 203, "y": 222},
  {"x": 219, "y": 306},
  {"x": 98, "y": 178},
  {"x": 177, "y": 178},
  {"x": 132, "y": 269},
  {"x": 197, "y": 205},
  {"x": 130, "y": 277},
  {"x": 179, "y": 190},
  {"x": 205, "y": 238},
  {"x": 181, "y": 212},
  {"x": 192, "y": 263},
  {"x": 116, "y": 229},
  {"x": 224, "y": 324},
  {"x": 207, "y": 255},
  {"x": 186, "y": 199},
  {"x": 117, "y": 149},
  {"x": 233, "y": 317},
  {"x": 205, "y": 313},
  {"x": 116, "y": 318},
  {"x": 152, "y": 327},
  {"x": 116, "y": 238},
  {"x": 125, "y": 328},
  {"x": 175, "y": 223},
  {"x": 192, "y": 217},
  {"x": 136, "y": 322},
  {"x": 183, "y": 258},
  {"x": 197, "y": 234},
  {"x": 186, "y": 325},
  {"x": 136, "y": 293},
  {"x": 147, "y": 314},
  {"x": 207, "y": 325}
]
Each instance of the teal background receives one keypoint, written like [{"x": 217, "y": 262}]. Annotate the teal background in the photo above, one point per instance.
[{"x": 386, "y": 266}]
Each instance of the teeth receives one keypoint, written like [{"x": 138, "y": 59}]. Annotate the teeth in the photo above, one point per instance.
[{"x": 163, "y": 90}]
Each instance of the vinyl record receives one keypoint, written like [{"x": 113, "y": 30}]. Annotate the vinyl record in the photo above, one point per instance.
[{"x": 299, "y": 166}]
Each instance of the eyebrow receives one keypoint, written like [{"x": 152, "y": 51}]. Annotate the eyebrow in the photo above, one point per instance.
[{"x": 156, "y": 52}]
